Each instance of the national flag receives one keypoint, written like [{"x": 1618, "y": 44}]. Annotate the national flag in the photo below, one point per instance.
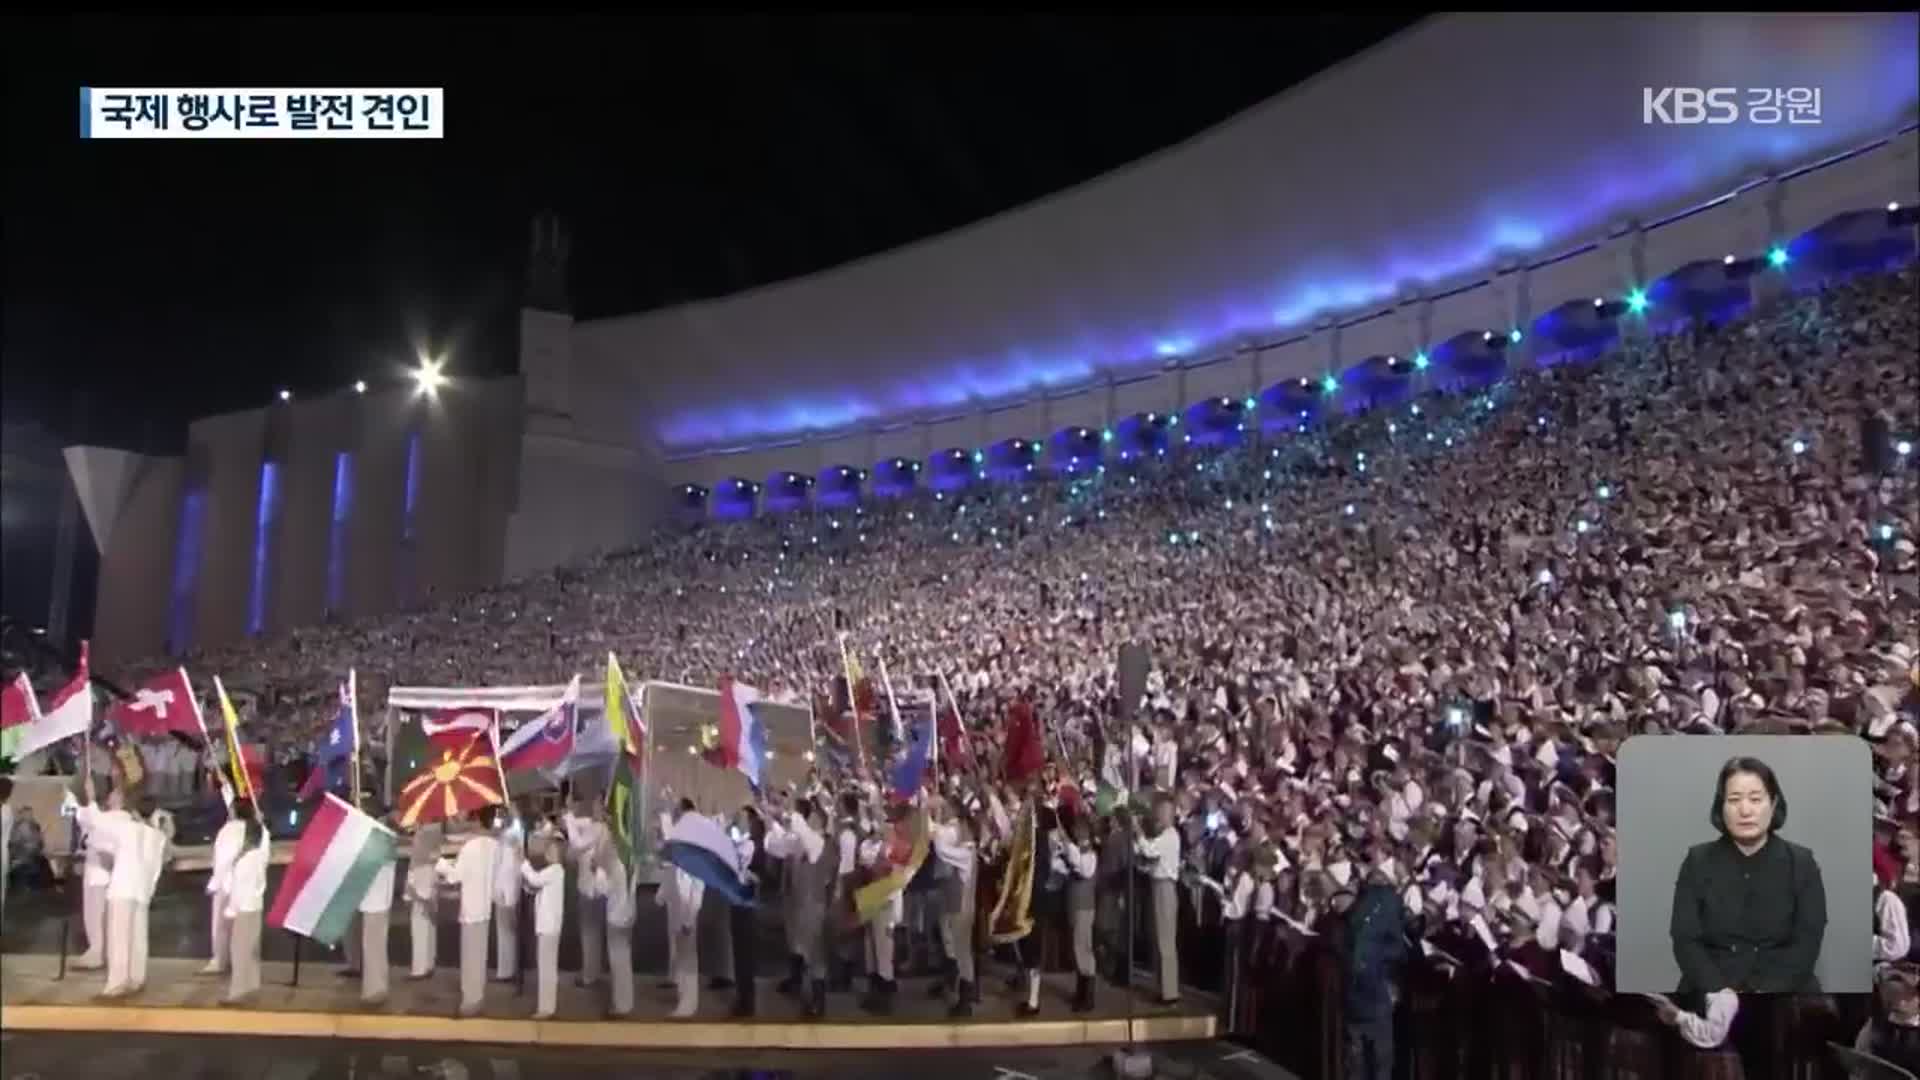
[
  {"x": 451, "y": 729},
  {"x": 743, "y": 736},
  {"x": 906, "y": 853},
  {"x": 955, "y": 747},
  {"x": 335, "y": 862},
  {"x": 1026, "y": 753},
  {"x": 1012, "y": 917},
  {"x": 342, "y": 742},
  {"x": 624, "y": 794},
  {"x": 240, "y": 767},
  {"x": 911, "y": 771},
  {"x": 162, "y": 704},
  {"x": 69, "y": 712},
  {"x": 697, "y": 844},
  {"x": 18, "y": 704},
  {"x": 459, "y": 783},
  {"x": 545, "y": 741}
]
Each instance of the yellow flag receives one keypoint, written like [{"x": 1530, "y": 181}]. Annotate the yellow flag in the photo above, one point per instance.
[{"x": 235, "y": 766}]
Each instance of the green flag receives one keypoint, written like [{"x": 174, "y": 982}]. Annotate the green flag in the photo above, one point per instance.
[{"x": 626, "y": 795}]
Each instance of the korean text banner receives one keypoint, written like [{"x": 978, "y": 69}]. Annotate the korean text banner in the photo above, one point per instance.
[{"x": 252, "y": 113}]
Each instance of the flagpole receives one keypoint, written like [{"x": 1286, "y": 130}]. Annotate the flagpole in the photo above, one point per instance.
[
  {"x": 353, "y": 711},
  {"x": 960, "y": 725},
  {"x": 893, "y": 704},
  {"x": 853, "y": 699}
]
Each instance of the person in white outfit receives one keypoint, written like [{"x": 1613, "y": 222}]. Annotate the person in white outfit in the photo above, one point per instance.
[
  {"x": 881, "y": 988},
  {"x": 956, "y": 843},
  {"x": 97, "y": 828},
  {"x": 680, "y": 893},
  {"x": 586, "y": 825},
  {"x": 549, "y": 887},
  {"x": 6, "y": 837},
  {"x": 227, "y": 845},
  {"x": 623, "y": 909},
  {"x": 376, "y": 916},
  {"x": 423, "y": 897},
  {"x": 246, "y": 897},
  {"x": 506, "y": 905},
  {"x": 472, "y": 870},
  {"x": 1159, "y": 857},
  {"x": 138, "y": 851}
]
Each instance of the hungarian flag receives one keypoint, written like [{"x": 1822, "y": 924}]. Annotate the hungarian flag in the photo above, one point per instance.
[
  {"x": 1026, "y": 753},
  {"x": 334, "y": 865},
  {"x": 162, "y": 704},
  {"x": 459, "y": 783},
  {"x": 624, "y": 794}
]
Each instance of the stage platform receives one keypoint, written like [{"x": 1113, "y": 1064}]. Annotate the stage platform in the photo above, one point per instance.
[{"x": 178, "y": 1001}]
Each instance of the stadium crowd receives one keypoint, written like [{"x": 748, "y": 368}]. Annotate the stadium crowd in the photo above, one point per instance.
[{"x": 1397, "y": 648}]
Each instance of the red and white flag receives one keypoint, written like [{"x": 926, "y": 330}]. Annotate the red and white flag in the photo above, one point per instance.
[
  {"x": 18, "y": 705},
  {"x": 453, "y": 729},
  {"x": 163, "y": 703},
  {"x": 69, "y": 712}
]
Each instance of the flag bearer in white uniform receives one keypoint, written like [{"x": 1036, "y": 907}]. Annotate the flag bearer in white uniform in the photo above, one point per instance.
[
  {"x": 97, "y": 828},
  {"x": 623, "y": 909},
  {"x": 549, "y": 887},
  {"x": 881, "y": 985},
  {"x": 955, "y": 843},
  {"x": 376, "y": 918},
  {"x": 138, "y": 849},
  {"x": 472, "y": 870},
  {"x": 507, "y": 884},
  {"x": 585, "y": 826},
  {"x": 423, "y": 896},
  {"x": 246, "y": 898},
  {"x": 680, "y": 893},
  {"x": 227, "y": 845}
]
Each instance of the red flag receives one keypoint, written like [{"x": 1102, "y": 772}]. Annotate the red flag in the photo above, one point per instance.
[
  {"x": 460, "y": 782},
  {"x": 1026, "y": 754},
  {"x": 163, "y": 703},
  {"x": 450, "y": 730},
  {"x": 955, "y": 748},
  {"x": 18, "y": 705}
]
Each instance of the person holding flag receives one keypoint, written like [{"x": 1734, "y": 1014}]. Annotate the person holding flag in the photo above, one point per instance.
[
  {"x": 472, "y": 871},
  {"x": 228, "y": 844},
  {"x": 587, "y": 830},
  {"x": 246, "y": 898}
]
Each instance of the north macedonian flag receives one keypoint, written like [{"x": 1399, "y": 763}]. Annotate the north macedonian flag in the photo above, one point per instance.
[{"x": 460, "y": 782}]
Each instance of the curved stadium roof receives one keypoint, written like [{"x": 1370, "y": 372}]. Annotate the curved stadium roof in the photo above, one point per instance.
[{"x": 1463, "y": 140}]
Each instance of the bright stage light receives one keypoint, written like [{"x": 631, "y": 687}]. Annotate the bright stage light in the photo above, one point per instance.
[{"x": 430, "y": 376}]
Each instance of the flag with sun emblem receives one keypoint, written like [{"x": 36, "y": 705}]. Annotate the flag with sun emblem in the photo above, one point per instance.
[{"x": 461, "y": 782}]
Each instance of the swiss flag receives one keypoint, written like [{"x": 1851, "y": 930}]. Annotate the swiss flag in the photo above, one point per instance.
[{"x": 163, "y": 703}]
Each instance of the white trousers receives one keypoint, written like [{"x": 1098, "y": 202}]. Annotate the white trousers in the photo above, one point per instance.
[
  {"x": 620, "y": 967},
  {"x": 685, "y": 948},
  {"x": 473, "y": 964},
  {"x": 221, "y": 928},
  {"x": 880, "y": 947},
  {"x": 593, "y": 937},
  {"x": 423, "y": 932},
  {"x": 245, "y": 954},
  {"x": 93, "y": 915},
  {"x": 506, "y": 940},
  {"x": 126, "y": 946},
  {"x": 547, "y": 966},
  {"x": 373, "y": 955}
]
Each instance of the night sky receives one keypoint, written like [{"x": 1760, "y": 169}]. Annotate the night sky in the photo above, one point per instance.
[{"x": 148, "y": 283}]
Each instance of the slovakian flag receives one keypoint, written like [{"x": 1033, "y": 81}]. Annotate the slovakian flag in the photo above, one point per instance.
[
  {"x": 68, "y": 712},
  {"x": 743, "y": 735},
  {"x": 697, "y": 844},
  {"x": 334, "y": 864},
  {"x": 546, "y": 741},
  {"x": 163, "y": 704},
  {"x": 341, "y": 743}
]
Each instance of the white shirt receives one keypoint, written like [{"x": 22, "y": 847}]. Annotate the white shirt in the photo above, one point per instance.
[
  {"x": 549, "y": 886},
  {"x": 119, "y": 835},
  {"x": 506, "y": 873},
  {"x": 794, "y": 839},
  {"x": 226, "y": 848},
  {"x": 1160, "y": 855},
  {"x": 1235, "y": 896},
  {"x": 100, "y": 827},
  {"x": 1078, "y": 861},
  {"x": 247, "y": 889},
  {"x": 1891, "y": 938},
  {"x": 379, "y": 898},
  {"x": 623, "y": 907},
  {"x": 583, "y": 835},
  {"x": 1710, "y": 1031},
  {"x": 849, "y": 851},
  {"x": 1166, "y": 763},
  {"x": 948, "y": 845},
  {"x": 473, "y": 869}
]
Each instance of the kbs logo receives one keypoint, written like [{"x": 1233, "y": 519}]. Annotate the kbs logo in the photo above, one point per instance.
[{"x": 1689, "y": 105}]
